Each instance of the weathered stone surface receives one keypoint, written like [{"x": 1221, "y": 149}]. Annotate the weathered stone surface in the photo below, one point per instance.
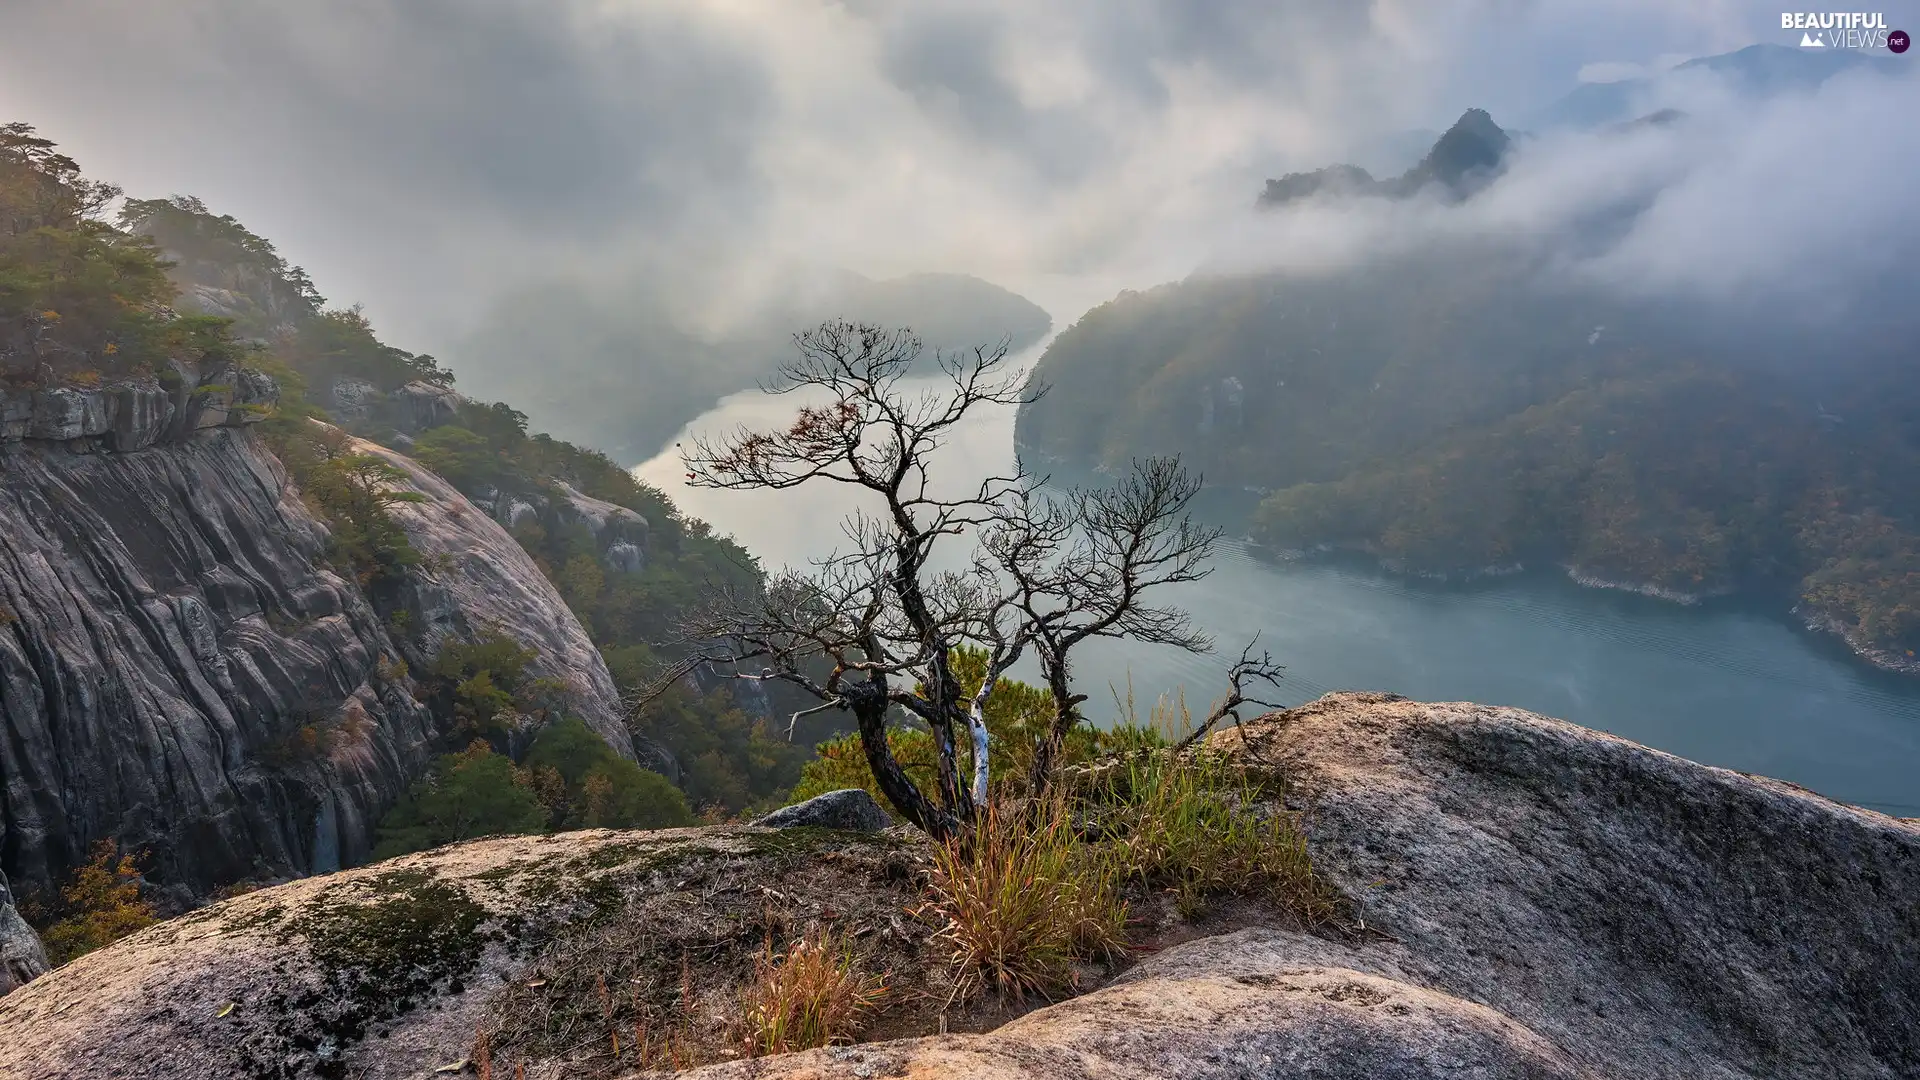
[
  {"x": 168, "y": 628},
  {"x": 1651, "y": 916},
  {"x": 22, "y": 958},
  {"x": 487, "y": 581},
  {"x": 306, "y": 979},
  {"x": 848, "y": 808},
  {"x": 1542, "y": 901},
  {"x": 420, "y": 405}
]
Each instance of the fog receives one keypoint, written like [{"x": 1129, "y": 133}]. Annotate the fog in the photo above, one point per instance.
[
  {"x": 429, "y": 159},
  {"x": 1794, "y": 200}
]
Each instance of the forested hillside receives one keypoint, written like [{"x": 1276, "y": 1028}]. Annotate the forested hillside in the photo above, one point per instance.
[
  {"x": 96, "y": 289},
  {"x": 1452, "y": 412}
]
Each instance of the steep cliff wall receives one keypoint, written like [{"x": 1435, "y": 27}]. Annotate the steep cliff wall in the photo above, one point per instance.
[
  {"x": 168, "y": 624},
  {"x": 483, "y": 579}
]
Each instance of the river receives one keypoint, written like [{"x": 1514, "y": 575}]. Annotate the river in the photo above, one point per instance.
[{"x": 1722, "y": 683}]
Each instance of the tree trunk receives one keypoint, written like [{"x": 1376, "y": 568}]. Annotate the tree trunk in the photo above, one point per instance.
[
  {"x": 870, "y": 706},
  {"x": 1066, "y": 714}
]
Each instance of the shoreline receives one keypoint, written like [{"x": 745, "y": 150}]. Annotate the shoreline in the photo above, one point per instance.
[
  {"x": 1883, "y": 659},
  {"x": 1873, "y": 656}
]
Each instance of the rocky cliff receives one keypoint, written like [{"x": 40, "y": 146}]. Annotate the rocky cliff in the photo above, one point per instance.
[
  {"x": 1539, "y": 901},
  {"x": 168, "y": 626}
]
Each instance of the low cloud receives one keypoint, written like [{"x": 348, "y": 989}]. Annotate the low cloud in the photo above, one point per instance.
[
  {"x": 435, "y": 159},
  {"x": 1794, "y": 205}
]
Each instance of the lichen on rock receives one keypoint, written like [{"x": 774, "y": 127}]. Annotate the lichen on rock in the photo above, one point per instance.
[{"x": 1539, "y": 901}]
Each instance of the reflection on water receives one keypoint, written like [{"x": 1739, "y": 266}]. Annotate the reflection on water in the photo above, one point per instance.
[{"x": 1721, "y": 684}]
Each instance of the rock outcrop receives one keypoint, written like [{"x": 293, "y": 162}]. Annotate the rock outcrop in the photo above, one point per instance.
[
  {"x": 136, "y": 414},
  {"x": 22, "y": 957},
  {"x": 486, "y": 581},
  {"x": 387, "y": 971},
  {"x": 1544, "y": 901},
  {"x": 1539, "y": 900},
  {"x": 408, "y": 409},
  {"x": 171, "y": 641},
  {"x": 620, "y": 533}
]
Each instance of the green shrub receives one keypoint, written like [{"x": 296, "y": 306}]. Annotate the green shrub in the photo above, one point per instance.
[
  {"x": 100, "y": 905},
  {"x": 1017, "y": 716},
  {"x": 483, "y": 684},
  {"x": 355, "y": 492},
  {"x": 591, "y": 786},
  {"x": 472, "y": 793}
]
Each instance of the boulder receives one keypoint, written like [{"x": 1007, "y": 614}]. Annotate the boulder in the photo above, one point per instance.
[
  {"x": 848, "y": 808},
  {"x": 352, "y": 401},
  {"x": 420, "y": 405}
]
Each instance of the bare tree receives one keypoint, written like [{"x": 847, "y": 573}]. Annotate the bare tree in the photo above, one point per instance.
[{"x": 872, "y": 629}]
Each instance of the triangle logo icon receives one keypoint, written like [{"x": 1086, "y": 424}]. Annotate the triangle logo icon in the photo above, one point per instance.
[{"x": 1808, "y": 41}]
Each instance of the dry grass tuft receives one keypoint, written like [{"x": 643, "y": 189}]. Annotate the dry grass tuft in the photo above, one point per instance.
[
  {"x": 814, "y": 995},
  {"x": 1021, "y": 901}
]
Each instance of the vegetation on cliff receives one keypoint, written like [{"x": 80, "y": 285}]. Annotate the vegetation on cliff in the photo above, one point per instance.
[
  {"x": 97, "y": 292},
  {"x": 100, "y": 905},
  {"x": 81, "y": 300},
  {"x": 569, "y": 779},
  {"x": 274, "y": 315}
]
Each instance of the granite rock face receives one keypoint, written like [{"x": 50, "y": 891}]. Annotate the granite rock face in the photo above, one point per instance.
[
  {"x": 22, "y": 957},
  {"x": 1539, "y": 901},
  {"x": 171, "y": 636},
  {"x": 487, "y": 581}
]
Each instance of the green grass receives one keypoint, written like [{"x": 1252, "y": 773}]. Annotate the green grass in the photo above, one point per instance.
[{"x": 1199, "y": 825}]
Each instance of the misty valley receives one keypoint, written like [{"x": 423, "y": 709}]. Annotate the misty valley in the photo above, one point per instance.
[{"x": 1016, "y": 541}]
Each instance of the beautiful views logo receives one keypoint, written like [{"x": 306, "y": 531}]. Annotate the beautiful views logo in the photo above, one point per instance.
[{"x": 1841, "y": 29}]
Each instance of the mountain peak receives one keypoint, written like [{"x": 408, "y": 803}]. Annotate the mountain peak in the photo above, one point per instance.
[
  {"x": 1462, "y": 160},
  {"x": 1473, "y": 147}
]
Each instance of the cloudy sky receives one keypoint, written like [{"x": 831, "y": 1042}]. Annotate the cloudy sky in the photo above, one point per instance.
[{"x": 426, "y": 157}]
